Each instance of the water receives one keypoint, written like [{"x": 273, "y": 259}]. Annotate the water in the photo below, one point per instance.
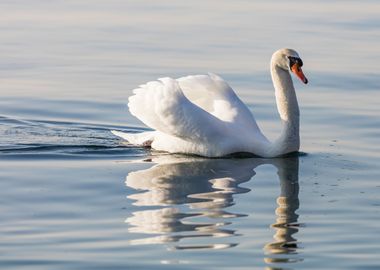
[{"x": 75, "y": 197}]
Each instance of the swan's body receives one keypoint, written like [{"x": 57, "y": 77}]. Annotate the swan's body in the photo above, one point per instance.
[{"x": 202, "y": 115}]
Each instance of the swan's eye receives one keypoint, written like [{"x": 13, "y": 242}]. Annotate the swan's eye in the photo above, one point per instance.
[{"x": 295, "y": 60}]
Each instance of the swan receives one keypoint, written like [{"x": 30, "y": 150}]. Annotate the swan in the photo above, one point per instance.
[{"x": 202, "y": 115}]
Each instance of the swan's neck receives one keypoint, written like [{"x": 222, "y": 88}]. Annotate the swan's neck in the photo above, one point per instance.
[{"x": 287, "y": 106}]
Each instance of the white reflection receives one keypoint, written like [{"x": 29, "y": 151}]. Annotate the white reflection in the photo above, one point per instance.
[
  {"x": 193, "y": 194},
  {"x": 205, "y": 186},
  {"x": 284, "y": 247}
]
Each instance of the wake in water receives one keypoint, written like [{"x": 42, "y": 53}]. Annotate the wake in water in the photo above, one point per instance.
[{"x": 54, "y": 139}]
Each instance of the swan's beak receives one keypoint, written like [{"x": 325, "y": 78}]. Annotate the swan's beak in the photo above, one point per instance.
[{"x": 296, "y": 69}]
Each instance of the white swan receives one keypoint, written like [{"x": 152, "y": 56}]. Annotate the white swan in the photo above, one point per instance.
[{"x": 202, "y": 115}]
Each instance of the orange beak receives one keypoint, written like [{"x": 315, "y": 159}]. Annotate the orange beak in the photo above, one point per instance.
[{"x": 296, "y": 69}]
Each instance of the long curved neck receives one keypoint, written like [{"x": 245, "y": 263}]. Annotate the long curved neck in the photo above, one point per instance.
[{"x": 287, "y": 106}]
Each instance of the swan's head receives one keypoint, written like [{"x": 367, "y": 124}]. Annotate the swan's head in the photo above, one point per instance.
[{"x": 289, "y": 59}]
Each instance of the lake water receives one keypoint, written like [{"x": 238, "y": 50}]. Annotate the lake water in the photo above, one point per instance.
[{"x": 75, "y": 197}]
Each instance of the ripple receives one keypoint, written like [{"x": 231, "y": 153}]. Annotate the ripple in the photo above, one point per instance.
[{"x": 31, "y": 139}]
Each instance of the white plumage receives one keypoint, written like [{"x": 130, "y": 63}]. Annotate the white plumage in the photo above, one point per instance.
[{"x": 202, "y": 115}]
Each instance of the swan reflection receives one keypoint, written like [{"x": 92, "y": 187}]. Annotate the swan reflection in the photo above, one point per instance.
[
  {"x": 286, "y": 224},
  {"x": 193, "y": 195}
]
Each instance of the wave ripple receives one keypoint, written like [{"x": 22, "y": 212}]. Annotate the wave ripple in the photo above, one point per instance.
[{"x": 41, "y": 139}]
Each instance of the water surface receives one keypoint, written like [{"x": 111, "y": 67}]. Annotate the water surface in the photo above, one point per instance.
[{"x": 75, "y": 197}]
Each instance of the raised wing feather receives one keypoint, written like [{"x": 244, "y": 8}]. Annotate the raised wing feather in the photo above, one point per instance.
[
  {"x": 163, "y": 106},
  {"x": 213, "y": 94},
  {"x": 195, "y": 114}
]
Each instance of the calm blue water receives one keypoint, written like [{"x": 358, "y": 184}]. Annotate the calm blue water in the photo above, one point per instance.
[{"x": 75, "y": 197}]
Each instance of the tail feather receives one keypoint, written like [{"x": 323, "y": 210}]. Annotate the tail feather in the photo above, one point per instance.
[{"x": 143, "y": 138}]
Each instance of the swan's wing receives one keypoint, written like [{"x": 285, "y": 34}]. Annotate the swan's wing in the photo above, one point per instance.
[
  {"x": 162, "y": 106},
  {"x": 213, "y": 94}
]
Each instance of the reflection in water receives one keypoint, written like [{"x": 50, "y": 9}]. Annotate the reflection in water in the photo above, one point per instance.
[
  {"x": 192, "y": 195},
  {"x": 286, "y": 223},
  {"x": 205, "y": 186}
]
